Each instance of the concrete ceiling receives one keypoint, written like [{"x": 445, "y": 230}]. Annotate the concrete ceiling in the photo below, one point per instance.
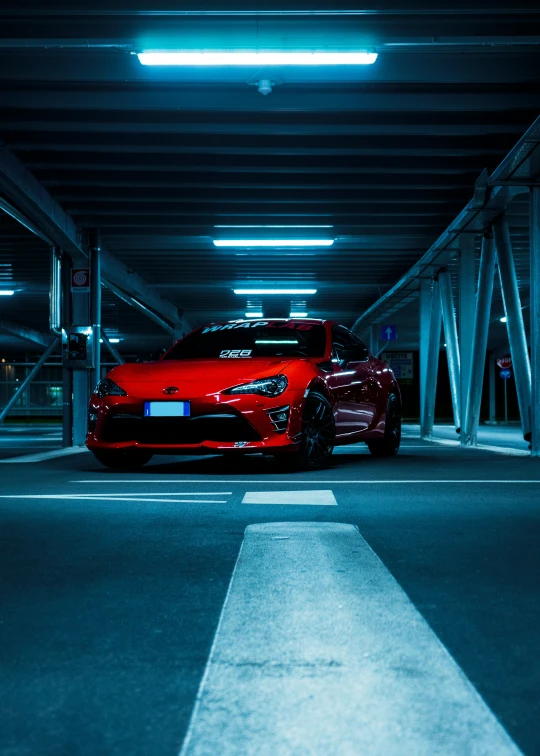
[{"x": 157, "y": 158}]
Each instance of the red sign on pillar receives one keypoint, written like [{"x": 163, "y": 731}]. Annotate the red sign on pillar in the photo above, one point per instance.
[
  {"x": 505, "y": 363},
  {"x": 80, "y": 279}
]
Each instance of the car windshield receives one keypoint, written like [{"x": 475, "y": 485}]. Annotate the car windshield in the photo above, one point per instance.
[{"x": 248, "y": 340}]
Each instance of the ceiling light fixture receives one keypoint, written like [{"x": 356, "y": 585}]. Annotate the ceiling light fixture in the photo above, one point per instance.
[
  {"x": 503, "y": 319},
  {"x": 264, "y": 86},
  {"x": 274, "y": 291},
  {"x": 272, "y": 226},
  {"x": 6, "y": 292},
  {"x": 254, "y": 58},
  {"x": 298, "y": 315},
  {"x": 254, "y": 315},
  {"x": 273, "y": 242}
]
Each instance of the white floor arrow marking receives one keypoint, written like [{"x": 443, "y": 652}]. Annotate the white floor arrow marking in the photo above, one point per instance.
[{"x": 324, "y": 498}]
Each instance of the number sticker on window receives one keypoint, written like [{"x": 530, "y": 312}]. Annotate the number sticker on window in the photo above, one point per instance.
[{"x": 235, "y": 353}]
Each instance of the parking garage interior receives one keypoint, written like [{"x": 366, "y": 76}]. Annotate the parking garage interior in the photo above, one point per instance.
[{"x": 387, "y": 179}]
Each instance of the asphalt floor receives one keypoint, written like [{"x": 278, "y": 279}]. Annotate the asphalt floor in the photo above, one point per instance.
[{"x": 113, "y": 583}]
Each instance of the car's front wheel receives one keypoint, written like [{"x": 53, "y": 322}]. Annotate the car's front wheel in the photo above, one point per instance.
[
  {"x": 317, "y": 436},
  {"x": 122, "y": 459},
  {"x": 388, "y": 446}
]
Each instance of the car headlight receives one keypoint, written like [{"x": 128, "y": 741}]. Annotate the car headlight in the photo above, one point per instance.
[
  {"x": 273, "y": 386},
  {"x": 106, "y": 387}
]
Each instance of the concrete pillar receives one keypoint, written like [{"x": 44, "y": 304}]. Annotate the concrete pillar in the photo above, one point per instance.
[
  {"x": 95, "y": 305},
  {"x": 535, "y": 319},
  {"x": 424, "y": 313},
  {"x": 514, "y": 323},
  {"x": 467, "y": 301}
]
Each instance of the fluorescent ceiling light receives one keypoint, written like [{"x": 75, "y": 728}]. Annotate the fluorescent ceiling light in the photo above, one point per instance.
[
  {"x": 254, "y": 315},
  {"x": 273, "y": 242},
  {"x": 503, "y": 319},
  {"x": 112, "y": 341},
  {"x": 275, "y": 291},
  {"x": 254, "y": 58},
  {"x": 298, "y": 315},
  {"x": 282, "y": 226},
  {"x": 6, "y": 292}
]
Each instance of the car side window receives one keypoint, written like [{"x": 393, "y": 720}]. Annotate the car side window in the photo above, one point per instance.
[{"x": 342, "y": 339}]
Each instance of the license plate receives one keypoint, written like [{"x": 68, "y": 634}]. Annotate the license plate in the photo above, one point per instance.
[{"x": 167, "y": 409}]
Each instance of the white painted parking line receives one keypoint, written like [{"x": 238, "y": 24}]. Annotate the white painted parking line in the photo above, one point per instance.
[
  {"x": 314, "y": 481},
  {"x": 321, "y": 498},
  {"x": 319, "y": 651},
  {"x": 161, "y": 493},
  {"x": 156, "y": 498},
  {"x": 45, "y": 455}
]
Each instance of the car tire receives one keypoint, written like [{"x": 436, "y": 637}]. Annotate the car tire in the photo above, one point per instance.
[
  {"x": 317, "y": 437},
  {"x": 122, "y": 459},
  {"x": 388, "y": 446}
]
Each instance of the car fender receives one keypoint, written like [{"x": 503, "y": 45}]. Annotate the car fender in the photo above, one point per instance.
[{"x": 318, "y": 384}]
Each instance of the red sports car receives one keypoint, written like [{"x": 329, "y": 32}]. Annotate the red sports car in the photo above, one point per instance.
[{"x": 291, "y": 388}]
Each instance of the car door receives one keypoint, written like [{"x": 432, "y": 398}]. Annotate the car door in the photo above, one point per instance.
[{"x": 353, "y": 383}]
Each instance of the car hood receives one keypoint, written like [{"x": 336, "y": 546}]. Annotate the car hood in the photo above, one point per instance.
[{"x": 192, "y": 377}]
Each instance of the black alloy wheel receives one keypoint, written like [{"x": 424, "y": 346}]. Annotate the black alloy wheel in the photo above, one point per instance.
[
  {"x": 388, "y": 446},
  {"x": 317, "y": 436},
  {"x": 122, "y": 459}
]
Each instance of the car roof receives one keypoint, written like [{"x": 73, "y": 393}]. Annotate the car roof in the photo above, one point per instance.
[{"x": 318, "y": 321}]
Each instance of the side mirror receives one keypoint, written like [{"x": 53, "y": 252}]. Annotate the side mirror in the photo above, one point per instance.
[{"x": 354, "y": 353}]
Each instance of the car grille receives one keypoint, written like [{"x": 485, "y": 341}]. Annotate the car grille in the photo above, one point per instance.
[{"x": 178, "y": 430}]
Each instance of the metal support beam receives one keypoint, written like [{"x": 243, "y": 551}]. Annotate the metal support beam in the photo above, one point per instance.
[
  {"x": 55, "y": 291},
  {"x": 80, "y": 315},
  {"x": 67, "y": 374},
  {"x": 492, "y": 388},
  {"x": 425, "y": 313},
  {"x": 479, "y": 344},
  {"x": 112, "y": 349},
  {"x": 432, "y": 372},
  {"x": 452, "y": 343},
  {"x": 22, "y": 332},
  {"x": 467, "y": 296},
  {"x": 139, "y": 306},
  {"x": 475, "y": 218},
  {"x": 30, "y": 203},
  {"x": 29, "y": 378},
  {"x": 535, "y": 320},
  {"x": 95, "y": 303},
  {"x": 514, "y": 322}
]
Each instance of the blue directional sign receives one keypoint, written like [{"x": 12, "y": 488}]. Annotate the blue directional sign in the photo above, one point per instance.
[
  {"x": 506, "y": 374},
  {"x": 389, "y": 332}
]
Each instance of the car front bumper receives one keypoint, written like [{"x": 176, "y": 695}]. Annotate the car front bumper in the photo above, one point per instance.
[{"x": 248, "y": 423}]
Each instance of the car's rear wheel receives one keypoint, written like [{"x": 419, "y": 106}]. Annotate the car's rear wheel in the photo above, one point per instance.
[
  {"x": 317, "y": 436},
  {"x": 122, "y": 459},
  {"x": 388, "y": 446}
]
